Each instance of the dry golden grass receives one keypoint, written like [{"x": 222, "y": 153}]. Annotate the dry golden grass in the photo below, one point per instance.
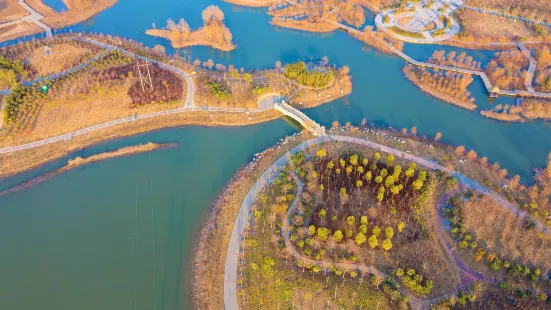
[
  {"x": 78, "y": 11},
  {"x": 304, "y": 25},
  {"x": 17, "y": 162},
  {"x": 72, "y": 109},
  {"x": 10, "y": 11},
  {"x": 195, "y": 38},
  {"x": 7, "y": 79},
  {"x": 63, "y": 57},
  {"x": 377, "y": 5},
  {"x": 253, "y": 3},
  {"x": 501, "y": 232},
  {"x": 18, "y": 30},
  {"x": 535, "y": 9},
  {"x": 490, "y": 28},
  {"x": 140, "y": 148},
  {"x": 536, "y": 108}
]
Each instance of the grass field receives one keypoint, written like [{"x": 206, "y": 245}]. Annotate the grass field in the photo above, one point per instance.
[
  {"x": 63, "y": 56},
  {"x": 504, "y": 234},
  {"x": 490, "y": 28}
]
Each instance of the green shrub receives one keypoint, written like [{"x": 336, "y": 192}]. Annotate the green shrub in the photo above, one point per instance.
[
  {"x": 218, "y": 90},
  {"x": 298, "y": 72}
]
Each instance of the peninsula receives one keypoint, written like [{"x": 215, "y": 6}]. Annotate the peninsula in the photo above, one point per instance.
[
  {"x": 213, "y": 33},
  {"x": 113, "y": 100},
  {"x": 352, "y": 219},
  {"x": 26, "y": 17}
]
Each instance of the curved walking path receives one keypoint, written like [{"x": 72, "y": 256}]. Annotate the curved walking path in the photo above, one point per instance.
[
  {"x": 421, "y": 17},
  {"x": 33, "y": 17},
  {"x": 189, "y": 105},
  {"x": 468, "y": 276},
  {"x": 418, "y": 303}
]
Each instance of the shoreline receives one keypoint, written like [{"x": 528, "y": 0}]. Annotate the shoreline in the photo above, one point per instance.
[
  {"x": 79, "y": 161},
  {"x": 47, "y": 153},
  {"x": 224, "y": 206},
  {"x": 56, "y": 20},
  {"x": 448, "y": 99},
  {"x": 221, "y": 215}
]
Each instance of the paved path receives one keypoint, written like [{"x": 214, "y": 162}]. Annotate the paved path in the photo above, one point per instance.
[
  {"x": 189, "y": 105},
  {"x": 487, "y": 84},
  {"x": 33, "y": 17},
  {"x": 468, "y": 276},
  {"x": 417, "y": 303},
  {"x": 420, "y": 18},
  {"x": 531, "y": 68}
]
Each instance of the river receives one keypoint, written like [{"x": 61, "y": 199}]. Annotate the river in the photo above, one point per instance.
[{"x": 118, "y": 234}]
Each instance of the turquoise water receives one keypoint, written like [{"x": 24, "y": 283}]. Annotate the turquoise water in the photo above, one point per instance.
[
  {"x": 57, "y": 5},
  {"x": 84, "y": 239}
]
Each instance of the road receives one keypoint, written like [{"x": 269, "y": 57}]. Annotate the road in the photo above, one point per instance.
[{"x": 468, "y": 276}]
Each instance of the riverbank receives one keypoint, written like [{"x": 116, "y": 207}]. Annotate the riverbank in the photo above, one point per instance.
[
  {"x": 528, "y": 110},
  {"x": 214, "y": 235},
  {"x": 77, "y": 11},
  {"x": 79, "y": 161},
  {"x": 16, "y": 162},
  {"x": 409, "y": 73},
  {"x": 209, "y": 258}
]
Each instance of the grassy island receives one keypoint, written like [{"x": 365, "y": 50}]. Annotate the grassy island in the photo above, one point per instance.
[
  {"x": 448, "y": 86},
  {"x": 343, "y": 225},
  {"x": 213, "y": 33},
  {"x": 529, "y": 109}
]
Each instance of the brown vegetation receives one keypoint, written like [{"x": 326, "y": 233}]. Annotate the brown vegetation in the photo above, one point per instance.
[
  {"x": 78, "y": 11},
  {"x": 508, "y": 69},
  {"x": 542, "y": 78},
  {"x": 12, "y": 163},
  {"x": 18, "y": 30},
  {"x": 379, "y": 5},
  {"x": 530, "y": 109},
  {"x": 499, "y": 231},
  {"x": 106, "y": 90},
  {"x": 312, "y": 25},
  {"x": 533, "y": 9},
  {"x": 214, "y": 33},
  {"x": 453, "y": 59},
  {"x": 378, "y": 40},
  {"x": 10, "y": 11},
  {"x": 448, "y": 86},
  {"x": 62, "y": 57},
  {"x": 482, "y": 27},
  {"x": 536, "y": 108},
  {"x": 253, "y": 3}
]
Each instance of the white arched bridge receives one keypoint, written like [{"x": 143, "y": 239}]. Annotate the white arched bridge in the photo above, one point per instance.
[{"x": 301, "y": 118}]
